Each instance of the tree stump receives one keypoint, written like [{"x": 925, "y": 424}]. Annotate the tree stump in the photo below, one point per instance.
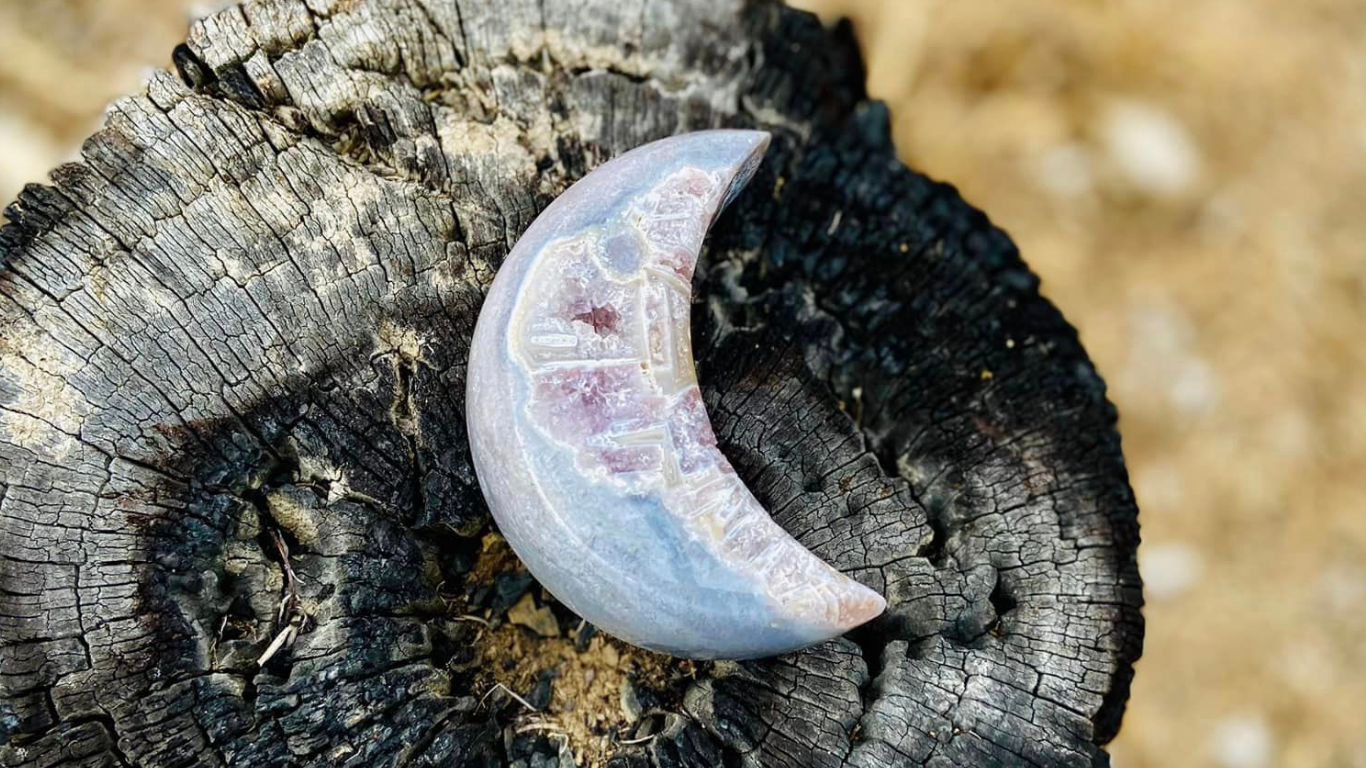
[{"x": 232, "y": 357}]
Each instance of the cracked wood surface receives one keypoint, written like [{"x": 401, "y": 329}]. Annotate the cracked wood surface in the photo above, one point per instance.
[{"x": 247, "y": 310}]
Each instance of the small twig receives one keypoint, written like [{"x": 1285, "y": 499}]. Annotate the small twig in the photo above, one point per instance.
[
  {"x": 286, "y": 636},
  {"x": 217, "y": 638},
  {"x": 291, "y": 588},
  {"x": 509, "y": 692},
  {"x": 641, "y": 740},
  {"x": 550, "y": 727},
  {"x": 291, "y": 612},
  {"x": 475, "y": 619}
]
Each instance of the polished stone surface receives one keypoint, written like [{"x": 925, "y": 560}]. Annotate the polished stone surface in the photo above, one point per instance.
[{"x": 590, "y": 437}]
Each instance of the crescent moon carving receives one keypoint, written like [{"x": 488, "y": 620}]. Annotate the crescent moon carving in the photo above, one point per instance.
[{"x": 590, "y": 438}]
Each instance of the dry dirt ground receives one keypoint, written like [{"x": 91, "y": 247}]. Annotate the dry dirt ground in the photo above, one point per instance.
[{"x": 1189, "y": 178}]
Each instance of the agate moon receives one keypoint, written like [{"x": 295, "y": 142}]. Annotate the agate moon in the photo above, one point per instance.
[{"x": 588, "y": 432}]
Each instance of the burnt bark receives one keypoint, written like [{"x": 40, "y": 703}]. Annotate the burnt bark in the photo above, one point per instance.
[{"x": 232, "y": 350}]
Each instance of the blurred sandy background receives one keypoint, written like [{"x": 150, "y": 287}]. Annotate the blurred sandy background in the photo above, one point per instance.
[{"x": 1189, "y": 178}]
